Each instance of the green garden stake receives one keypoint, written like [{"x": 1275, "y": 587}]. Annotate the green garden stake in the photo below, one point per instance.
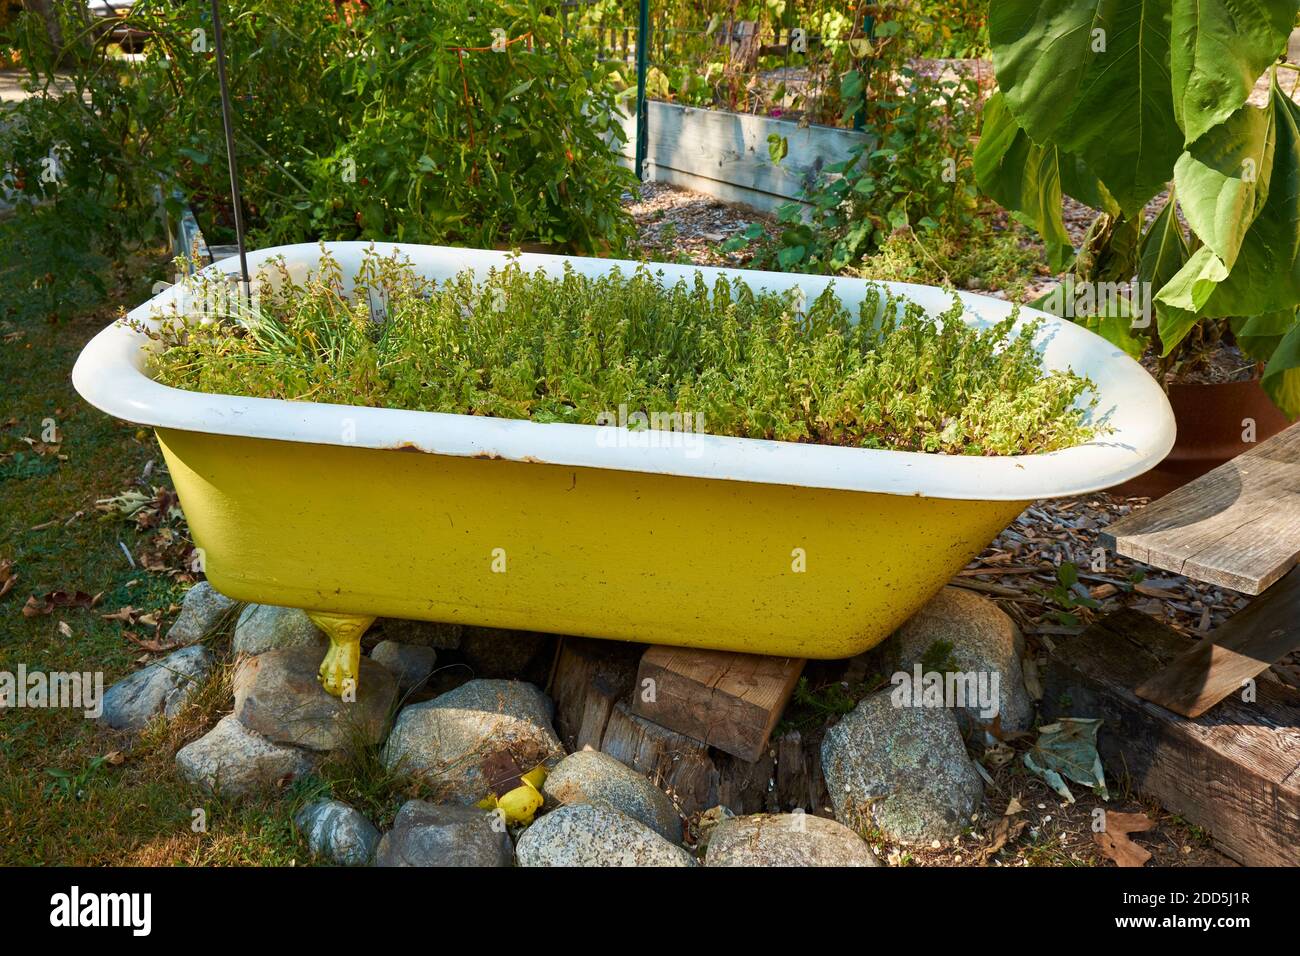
[{"x": 642, "y": 63}]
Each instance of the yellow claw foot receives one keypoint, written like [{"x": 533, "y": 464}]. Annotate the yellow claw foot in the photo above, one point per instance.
[{"x": 340, "y": 671}]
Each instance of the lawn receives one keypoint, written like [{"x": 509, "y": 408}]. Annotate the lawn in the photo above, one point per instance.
[{"x": 72, "y": 792}]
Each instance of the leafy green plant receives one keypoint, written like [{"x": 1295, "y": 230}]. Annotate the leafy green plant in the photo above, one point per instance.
[
  {"x": 938, "y": 658},
  {"x": 69, "y": 785},
  {"x": 75, "y": 167},
  {"x": 1068, "y": 594},
  {"x": 907, "y": 177},
  {"x": 811, "y": 708},
  {"x": 468, "y": 122},
  {"x": 1115, "y": 104},
  {"x": 570, "y": 348}
]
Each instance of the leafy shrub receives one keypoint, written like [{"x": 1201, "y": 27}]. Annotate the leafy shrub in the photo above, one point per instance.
[
  {"x": 77, "y": 165},
  {"x": 519, "y": 344},
  {"x": 459, "y": 121},
  {"x": 909, "y": 176},
  {"x": 1145, "y": 101}
]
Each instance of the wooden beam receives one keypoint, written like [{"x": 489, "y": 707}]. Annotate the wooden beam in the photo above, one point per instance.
[
  {"x": 1240, "y": 650},
  {"x": 682, "y": 766},
  {"x": 729, "y": 701},
  {"x": 590, "y": 677},
  {"x": 1237, "y": 526},
  {"x": 1234, "y": 771}
]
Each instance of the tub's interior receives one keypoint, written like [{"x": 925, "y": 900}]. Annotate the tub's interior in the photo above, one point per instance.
[{"x": 1080, "y": 354}]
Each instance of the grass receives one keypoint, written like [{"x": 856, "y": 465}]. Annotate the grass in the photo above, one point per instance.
[
  {"x": 722, "y": 359},
  {"x": 73, "y": 793}
]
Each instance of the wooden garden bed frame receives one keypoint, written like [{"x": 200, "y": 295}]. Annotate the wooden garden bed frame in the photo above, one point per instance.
[{"x": 1193, "y": 723}]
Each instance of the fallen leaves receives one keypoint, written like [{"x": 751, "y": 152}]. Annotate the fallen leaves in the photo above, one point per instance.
[
  {"x": 133, "y": 617},
  {"x": 43, "y": 448},
  {"x": 1005, "y": 830},
  {"x": 35, "y": 606},
  {"x": 1114, "y": 841},
  {"x": 151, "y": 644},
  {"x": 1068, "y": 748},
  {"x": 147, "y": 510}
]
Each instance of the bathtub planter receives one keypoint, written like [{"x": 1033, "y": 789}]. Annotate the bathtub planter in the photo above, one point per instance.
[{"x": 693, "y": 540}]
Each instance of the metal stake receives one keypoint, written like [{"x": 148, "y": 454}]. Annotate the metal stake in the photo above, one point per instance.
[
  {"x": 228, "y": 121},
  {"x": 642, "y": 63}
]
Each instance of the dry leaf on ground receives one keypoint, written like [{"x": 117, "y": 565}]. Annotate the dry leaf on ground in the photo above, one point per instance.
[{"x": 1115, "y": 843}]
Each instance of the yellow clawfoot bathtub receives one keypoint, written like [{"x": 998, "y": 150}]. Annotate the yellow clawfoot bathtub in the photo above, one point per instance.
[{"x": 735, "y": 544}]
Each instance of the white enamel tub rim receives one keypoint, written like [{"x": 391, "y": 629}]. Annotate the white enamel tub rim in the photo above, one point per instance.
[{"x": 110, "y": 374}]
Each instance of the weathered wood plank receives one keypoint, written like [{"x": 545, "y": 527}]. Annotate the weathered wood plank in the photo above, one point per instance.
[
  {"x": 729, "y": 701},
  {"x": 1237, "y": 526},
  {"x": 696, "y": 777},
  {"x": 590, "y": 677},
  {"x": 1234, "y": 771},
  {"x": 1243, "y": 648}
]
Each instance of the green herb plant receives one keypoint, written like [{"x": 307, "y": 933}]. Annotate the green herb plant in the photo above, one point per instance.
[{"x": 571, "y": 348}]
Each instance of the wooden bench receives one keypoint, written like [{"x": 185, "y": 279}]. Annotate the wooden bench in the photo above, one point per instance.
[{"x": 1236, "y": 527}]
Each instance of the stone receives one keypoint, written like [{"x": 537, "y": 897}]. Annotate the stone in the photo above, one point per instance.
[
  {"x": 278, "y": 695},
  {"x": 582, "y": 834},
  {"x": 338, "y": 832},
  {"x": 443, "y": 637},
  {"x": 411, "y": 664},
  {"x": 202, "y": 611},
  {"x": 786, "y": 839},
  {"x": 265, "y": 627},
  {"x": 161, "y": 688},
  {"x": 234, "y": 761},
  {"x": 590, "y": 776},
  {"x": 448, "y": 740},
  {"x": 984, "y": 640},
  {"x": 902, "y": 769},
  {"x": 431, "y": 834}
]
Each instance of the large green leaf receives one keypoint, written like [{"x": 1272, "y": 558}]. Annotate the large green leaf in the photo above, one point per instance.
[
  {"x": 1219, "y": 49},
  {"x": 1223, "y": 179},
  {"x": 1023, "y": 178},
  {"x": 1259, "y": 335},
  {"x": 1079, "y": 181},
  {"x": 1164, "y": 248},
  {"x": 1282, "y": 374},
  {"x": 1266, "y": 275},
  {"x": 1092, "y": 78},
  {"x": 1113, "y": 317}
]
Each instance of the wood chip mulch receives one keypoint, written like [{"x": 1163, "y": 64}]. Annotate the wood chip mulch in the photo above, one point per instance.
[{"x": 1020, "y": 569}]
